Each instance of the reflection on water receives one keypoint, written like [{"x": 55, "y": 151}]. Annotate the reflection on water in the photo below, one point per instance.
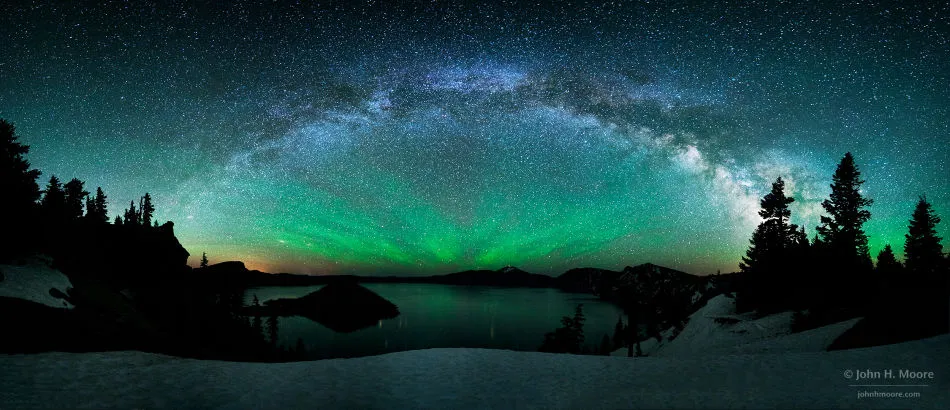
[{"x": 435, "y": 316}]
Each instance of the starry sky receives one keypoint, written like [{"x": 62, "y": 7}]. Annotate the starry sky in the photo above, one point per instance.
[{"x": 430, "y": 137}]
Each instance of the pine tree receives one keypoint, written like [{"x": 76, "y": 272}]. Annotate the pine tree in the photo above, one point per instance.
[
  {"x": 147, "y": 209},
  {"x": 770, "y": 255},
  {"x": 922, "y": 249},
  {"x": 131, "y": 215},
  {"x": 842, "y": 230},
  {"x": 256, "y": 324},
  {"x": 18, "y": 207},
  {"x": 618, "y": 333},
  {"x": 272, "y": 329},
  {"x": 887, "y": 264},
  {"x": 569, "y": 338},
  {"x": 577, "y": 326},
  {"x": 75, "y": 197},
  {"x": 54, "y": 201},
  {"x": 845, "y": 267},
  {"x": 117, "y": 221},
  {"x": 204, "y": 261},
  {"x": 98, "y": 212},
  {"x": 90, "y": 208}
]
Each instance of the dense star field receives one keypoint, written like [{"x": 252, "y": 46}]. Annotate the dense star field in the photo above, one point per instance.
[{"x": 362, "y": 137}]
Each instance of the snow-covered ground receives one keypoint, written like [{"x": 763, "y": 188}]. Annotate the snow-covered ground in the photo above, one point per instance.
[
  {"x": 716, "y": 329},
  {"x": 33, "y": 282},
  {"x": 476, "y": 378}
]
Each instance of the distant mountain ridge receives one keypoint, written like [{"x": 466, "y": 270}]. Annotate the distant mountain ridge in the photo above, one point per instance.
[
  {"x": 647, "y": 280},
  {"x": 235, "y": 273}
]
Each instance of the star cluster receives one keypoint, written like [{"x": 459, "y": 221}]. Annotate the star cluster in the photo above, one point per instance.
[{"x": 426, "y": 137}]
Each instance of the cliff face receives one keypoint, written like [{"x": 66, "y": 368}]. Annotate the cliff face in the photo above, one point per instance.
[
  {"x": 120, "y": 254},
  {"x": 660, "y": 295},
  {"x": 586, "y": 280}
]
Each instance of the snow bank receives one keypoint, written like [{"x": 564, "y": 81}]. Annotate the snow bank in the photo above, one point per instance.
[
  {"x": 717, "y": 329},
  {"x": 473, "y": 378},
  {"x": 33, "y": 282}
]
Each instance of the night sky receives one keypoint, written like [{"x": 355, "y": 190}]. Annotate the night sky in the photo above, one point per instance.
[{"x": 361, "y": 137}]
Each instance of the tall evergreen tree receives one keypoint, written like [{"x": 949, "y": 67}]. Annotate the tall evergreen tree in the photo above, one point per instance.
[
  {"x": 54, "y": 201},
  {"x": 569, "y": 338},
  {"x": 96, "y": 208},
  {"x": 18, "y": 207},
  {"x": 147, "y": 209},
  {"x": 131, "y": 215},
  {"x": 256, "y": 323},
  {"x": 75, "y": 197},
  {"x": 887, "y": 264},
  {"x": 90, "y": 208},
  {"x": 843, "y": 229},
  {"x": 204, "y": 261},
  {"x": 619, "y": 333},
  {"x": 770, "y": 254},
  {"x": 923, "y": 252},
  {"x": 272, "y": 329}
]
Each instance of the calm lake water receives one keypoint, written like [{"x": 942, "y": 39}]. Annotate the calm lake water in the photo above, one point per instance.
[{"x": 434, "y": 316}]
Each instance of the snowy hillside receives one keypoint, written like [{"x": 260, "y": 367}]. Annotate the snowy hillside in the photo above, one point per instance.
[
  {"x": 33, "y": 282},
  {"x": 717, "y": 329},
  {"x": 473, "y": 378}
]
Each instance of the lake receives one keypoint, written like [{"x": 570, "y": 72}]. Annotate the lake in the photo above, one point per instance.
[{"x": 438, "y": 316}]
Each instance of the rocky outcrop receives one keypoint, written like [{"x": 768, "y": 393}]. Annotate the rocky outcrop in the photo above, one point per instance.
[
  {"x": 343, "y": 306},
  {"x": 586, "y": 280},
  {"x": 120, "y": 254}
]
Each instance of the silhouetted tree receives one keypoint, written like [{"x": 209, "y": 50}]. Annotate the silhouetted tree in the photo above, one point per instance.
[
  {"x": 90, "y": 208},
  {"x": 887, "y": 264},
  {"x": 131, "y": 215},
  {"x": 844, "y": 259},
  {"x": 843, "y": 229},
  {"x": 204, "y": 262},
  {"x": 75, "y": 197},
  {"x": 923, "y": 252},
  {"x": 18, "y": 207},
  {"x": 147, "y": 209},
  {"x": 117, "y": 221},
  {"x": 256, "y": 323},
  {"x": 54, "y": 199},
  {"x": 96, "y": 207},
  {"x": 569, "y": 338},
  {"x": 619, "y": 333},
  {"x": 770, "y": 255},
  {"x": 272, "y": 330}
]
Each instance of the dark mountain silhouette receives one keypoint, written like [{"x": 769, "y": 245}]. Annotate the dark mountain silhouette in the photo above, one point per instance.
[
  {"x": 125, "y": 255},
  {"x": 342, "y": 305},
  {"x": 507, "y": 276},
  {"x": 235, "y": 273},
  {"x": 586, "y": 280}
]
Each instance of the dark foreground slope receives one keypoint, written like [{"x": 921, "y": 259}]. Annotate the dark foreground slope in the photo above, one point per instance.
[{"x": 473, "y": 378}]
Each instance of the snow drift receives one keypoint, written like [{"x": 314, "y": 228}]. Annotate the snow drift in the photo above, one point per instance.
[
  {"x": 473, "y": 378},
  {"x": 717, "y": 329},
  {"x": 34, "y": 282}
]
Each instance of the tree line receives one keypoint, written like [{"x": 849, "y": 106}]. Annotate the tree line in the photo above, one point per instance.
[
  {"x": 832, "y": 276},
  {"x": 826, "y": 279},
  {"x": 175, "y": 311},
  {"x": 56, "y": 206}
]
